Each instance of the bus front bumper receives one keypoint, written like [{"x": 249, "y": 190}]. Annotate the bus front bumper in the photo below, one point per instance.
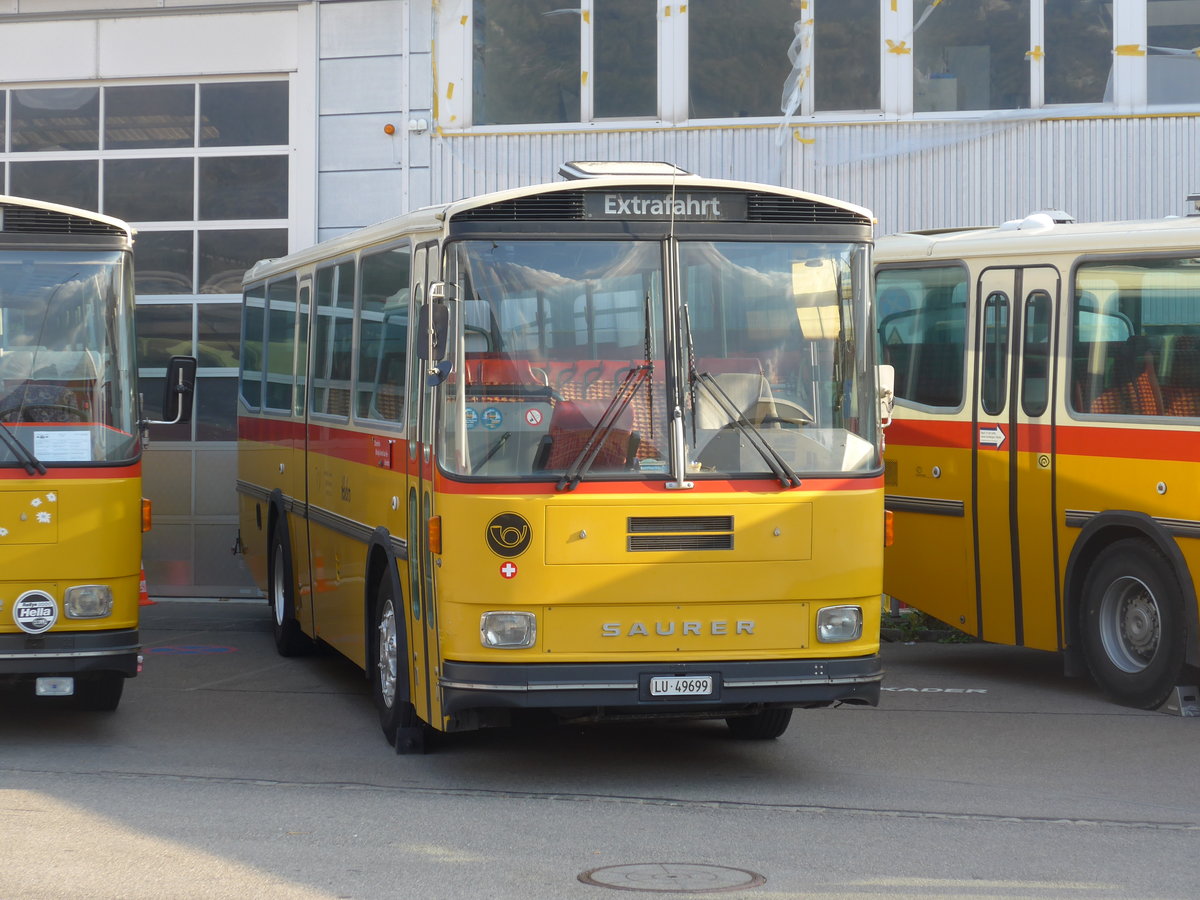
[
  {"x": 70, "y": 653},
  {"x": 622, "y": 690}
]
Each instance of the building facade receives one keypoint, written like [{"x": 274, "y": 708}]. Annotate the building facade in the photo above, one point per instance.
[{"x": 231, "y": 131}]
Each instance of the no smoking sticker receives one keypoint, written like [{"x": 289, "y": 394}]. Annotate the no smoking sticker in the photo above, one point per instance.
[{"x": 533, "y": 416}]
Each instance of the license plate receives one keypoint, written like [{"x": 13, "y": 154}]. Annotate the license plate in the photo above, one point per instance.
[
  {"x": 681, "y": 686},
  {"x": 55, "y": 687}
]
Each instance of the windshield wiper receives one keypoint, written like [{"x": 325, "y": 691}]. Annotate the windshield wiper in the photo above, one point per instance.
[
  {"x": 634, "y": 379},
  {"x": 785, "y": 473},
  {"x": 33, "y": 465}
]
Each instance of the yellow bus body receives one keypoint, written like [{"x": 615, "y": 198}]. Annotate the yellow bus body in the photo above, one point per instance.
[
  {"x": 402, "y": 544},
  {"x": 1003, "y": 515}
]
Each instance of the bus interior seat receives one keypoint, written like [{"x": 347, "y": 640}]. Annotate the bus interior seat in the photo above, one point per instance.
[
  {"x": 1134, "y": 388},
  {"x": 571, "y": 427},
  {"x": 1181, "y": 387}
]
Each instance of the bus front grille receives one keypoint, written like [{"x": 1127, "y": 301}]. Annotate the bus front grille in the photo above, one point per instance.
[{"x": 678, "y": 533}]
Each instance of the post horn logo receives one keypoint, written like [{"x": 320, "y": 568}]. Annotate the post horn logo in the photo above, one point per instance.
[{"x": 508, "y": 535}]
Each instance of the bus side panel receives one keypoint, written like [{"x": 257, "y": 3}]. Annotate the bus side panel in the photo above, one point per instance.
[
  {"x": 337, "y": 493},
  {"x": 931, "y": 563}
]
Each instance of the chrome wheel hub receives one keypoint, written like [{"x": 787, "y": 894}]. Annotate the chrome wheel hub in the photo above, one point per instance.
[
  {"x": 1130, "y": 624},
  {"x": 387, "y": 654}
]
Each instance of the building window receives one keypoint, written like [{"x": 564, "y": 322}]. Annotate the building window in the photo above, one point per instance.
[
  {"x": 738, "y": 56},
  {"x": 971, "y": 55},
  {"x": 537, "y": 62},
  {"x": 1079, "y": 44},
  {"x": 201, "y": 170},
  {"x": 1172, "y": 63}
]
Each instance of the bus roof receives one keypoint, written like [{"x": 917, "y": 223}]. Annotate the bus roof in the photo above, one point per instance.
[
  {"x": 1039, "y": 234},
  {"x": 433, "y": 218},
  {"x": 44, "y": 218}
]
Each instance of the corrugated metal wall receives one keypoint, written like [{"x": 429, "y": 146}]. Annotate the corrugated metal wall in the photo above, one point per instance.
[{"x": 912, "y": 174}]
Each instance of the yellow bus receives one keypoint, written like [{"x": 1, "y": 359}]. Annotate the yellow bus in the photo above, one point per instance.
[
  {"x": 606, "y": 448},
  {"x": 1043, "y": 456},
  {"x": 71, "y": 506}
]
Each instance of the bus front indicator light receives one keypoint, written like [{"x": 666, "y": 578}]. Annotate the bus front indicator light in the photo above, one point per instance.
[
  {"x": 508, "y": 630},
  {"x": 88, "y": 601},
  {"x": 837, "y": 624}
]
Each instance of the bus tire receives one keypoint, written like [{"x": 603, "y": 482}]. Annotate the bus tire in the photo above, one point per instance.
[
  {"x": 289, "y": 639},
  {"x": 1133, "y": 629},
  {"x": 761, "y": 726},
  {"x": 397, "y": 716},
  {"x": 99, "y": 693}
]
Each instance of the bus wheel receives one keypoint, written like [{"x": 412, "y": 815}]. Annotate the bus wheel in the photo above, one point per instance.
[
  {"x": 289, "y": 639},
  {"x": 761, "y": 726},
  {"x": 99, "y": 693},
  {"x": 397, "y": 716},
  {"x": 1133, "y": 630}
]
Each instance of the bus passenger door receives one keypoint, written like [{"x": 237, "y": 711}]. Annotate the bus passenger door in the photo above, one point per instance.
[
  {"x": 419, "y": 461},
  {"x": 1013, "y": 463}
]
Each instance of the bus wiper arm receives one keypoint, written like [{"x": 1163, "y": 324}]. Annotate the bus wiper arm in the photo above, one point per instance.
[
  {"x": 33, "y": 465},
  {"x": 634, "y": 379},
  {"x": 785, "y": 473}
]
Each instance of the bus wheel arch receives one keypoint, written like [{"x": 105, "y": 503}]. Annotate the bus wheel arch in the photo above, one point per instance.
[{"x": 1131, "y": 615}]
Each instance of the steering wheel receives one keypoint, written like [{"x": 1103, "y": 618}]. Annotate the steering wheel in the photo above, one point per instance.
[{"x": 27, "y": 412}]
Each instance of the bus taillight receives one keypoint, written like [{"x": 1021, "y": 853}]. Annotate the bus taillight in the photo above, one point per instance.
[{"x": 889, "y": 527}]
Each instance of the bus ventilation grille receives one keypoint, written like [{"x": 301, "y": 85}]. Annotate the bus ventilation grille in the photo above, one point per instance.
[
  {"x": 28, "y": 220},
  {"x": 569, "y": 206},
  {"x": 672, "y": 533}
]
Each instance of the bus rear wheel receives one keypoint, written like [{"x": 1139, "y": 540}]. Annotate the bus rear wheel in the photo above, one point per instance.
[
  {"x": 1133, "y": 628},
  {"x": 760, "y": 726},
  {"x": 289, "y": 639},
  {"x": 397, "y": 716}
]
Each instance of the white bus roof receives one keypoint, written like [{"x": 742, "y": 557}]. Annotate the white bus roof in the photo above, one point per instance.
[
  {"x": 433, "y": 218},
  {"x": 113, "y": 223},
  {"x": 1038, "y": 235}
]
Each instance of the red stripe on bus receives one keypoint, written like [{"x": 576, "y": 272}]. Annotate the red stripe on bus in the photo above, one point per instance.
[
  {"x": 446, "y": 485},
  {"x": 54, "y": 473},
  {"x": 1109, "y": 441}
]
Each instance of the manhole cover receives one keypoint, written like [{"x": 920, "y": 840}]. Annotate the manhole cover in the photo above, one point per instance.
[{"x": 672, "y": 878}]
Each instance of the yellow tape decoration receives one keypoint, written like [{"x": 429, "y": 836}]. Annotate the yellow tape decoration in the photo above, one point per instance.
[
  {"x": 900, "y": 49},
  {"x": 1037, "y": 53},
  {"x": 1129, "y": 50},
  {"x": 450, "y": 90},
  {"x": 583, "y": 78},
  {"x": 894, "y": 9},
  {"x": 587, "y": 16},
  {"x": 803, "y": 140},
  {"x": 666, "y": 12}
]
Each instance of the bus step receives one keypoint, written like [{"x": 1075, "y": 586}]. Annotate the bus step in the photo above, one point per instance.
[{"x": 1182, "y": 701}]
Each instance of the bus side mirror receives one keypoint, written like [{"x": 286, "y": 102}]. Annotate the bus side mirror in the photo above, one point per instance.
[
  {"x": 433, "y": 328},
  {"x": 887, "y": 393},
  {"x": 178, "y": 392}
]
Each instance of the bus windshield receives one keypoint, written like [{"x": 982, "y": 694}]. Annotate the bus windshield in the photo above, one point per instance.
[
  {"x": 587, "y": 359},
  {"x": 66, "y": 367}
]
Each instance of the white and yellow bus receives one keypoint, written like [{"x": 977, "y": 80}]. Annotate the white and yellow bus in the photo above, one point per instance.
[
  {"x": 71, "y": 506},
  {"x": 1042, "y": 463},
  {"x": 604, "y": 448}
]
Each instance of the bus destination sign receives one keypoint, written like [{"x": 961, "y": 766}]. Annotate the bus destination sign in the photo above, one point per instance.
[{"x": 684, "y": 206}]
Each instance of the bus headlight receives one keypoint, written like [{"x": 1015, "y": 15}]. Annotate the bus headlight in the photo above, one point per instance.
[
  {"x": 88, "y": 601},
  {"x": 508, "y": 630},
  {"x": 836, "y": 624}
]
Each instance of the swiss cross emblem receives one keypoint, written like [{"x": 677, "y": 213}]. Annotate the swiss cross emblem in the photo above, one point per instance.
[{"x": 508, "y": 570}]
